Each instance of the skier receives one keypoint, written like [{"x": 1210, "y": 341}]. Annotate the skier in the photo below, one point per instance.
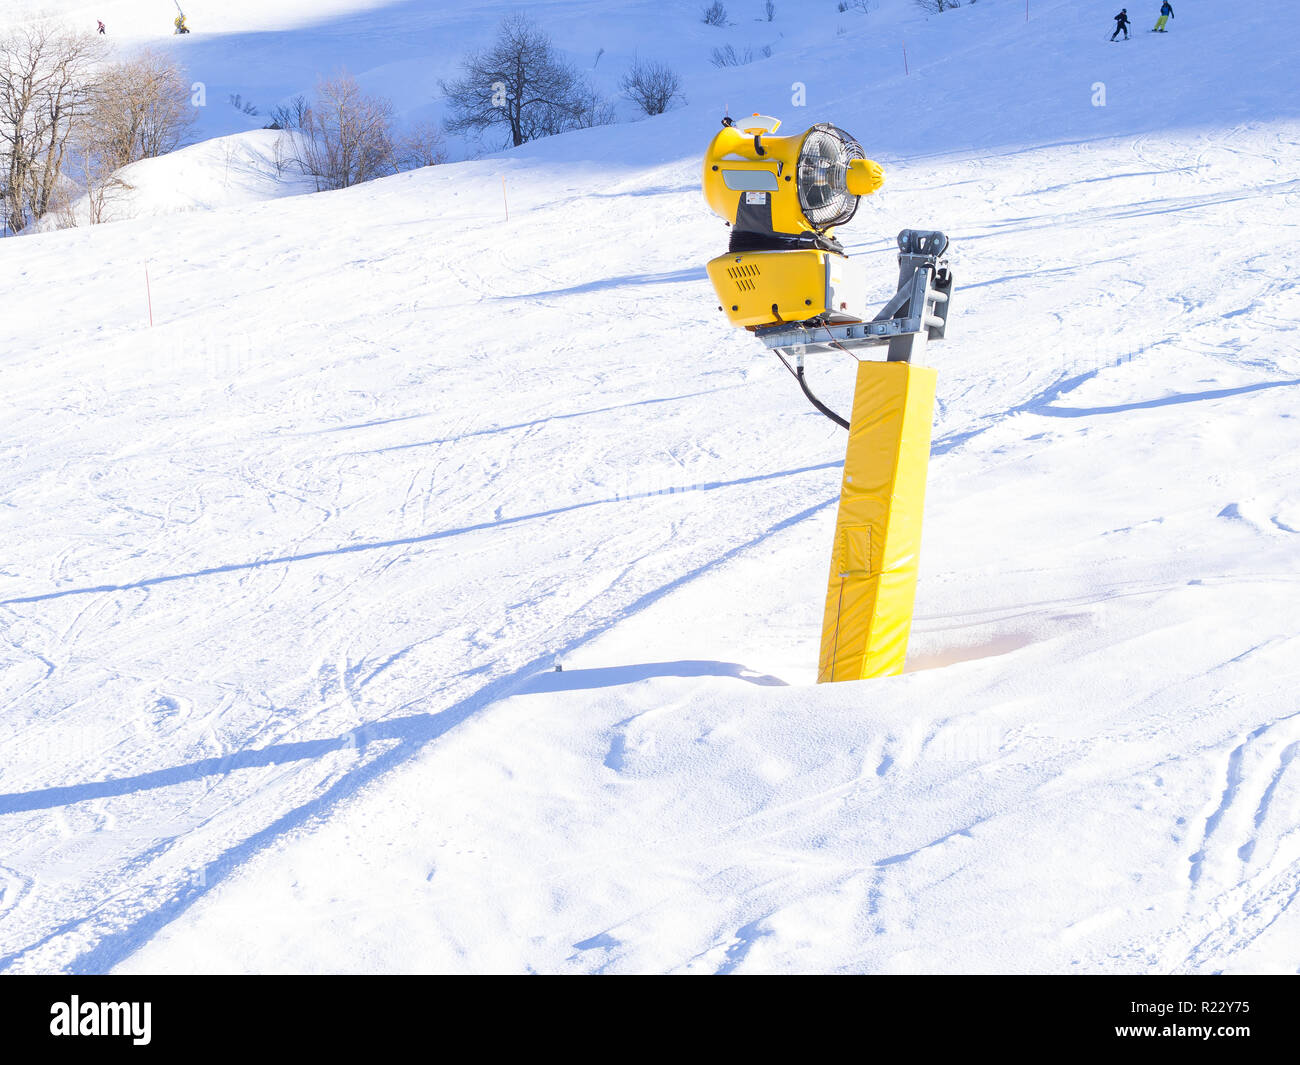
[
  {"x": 179, "y": 23},
  {"x": 1121, "y": 23},
  {"x": 1166, "y": 13},
  {"x": 101, "y": 26}
]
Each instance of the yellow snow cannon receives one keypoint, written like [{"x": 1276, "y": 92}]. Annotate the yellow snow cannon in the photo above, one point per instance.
[
  {"x": 788, "y": 282},
  {"x": 783, "y": 197}
]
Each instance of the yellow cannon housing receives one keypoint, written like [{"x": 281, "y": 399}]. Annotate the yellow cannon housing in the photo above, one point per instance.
[
  {"x": 787, "y": 280},
  {"x": 783, "y": 197}
]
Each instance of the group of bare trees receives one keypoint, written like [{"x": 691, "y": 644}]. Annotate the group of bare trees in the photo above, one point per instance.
[
  {"x": 45, "y": 93},
  {"x": 520, "y": 86},
  {"x": 345, "y": 136},
  {"x": 70, "y": 119}
]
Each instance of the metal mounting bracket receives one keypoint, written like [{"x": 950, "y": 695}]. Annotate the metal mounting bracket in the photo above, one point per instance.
[{"x": 917, "y": 313}]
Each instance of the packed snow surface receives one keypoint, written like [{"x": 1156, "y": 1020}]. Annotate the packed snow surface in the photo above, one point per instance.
[{"x": 286, "y": 573}]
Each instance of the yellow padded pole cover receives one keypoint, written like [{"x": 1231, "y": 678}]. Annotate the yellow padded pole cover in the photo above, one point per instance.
[{"x": 877, "y": 548}]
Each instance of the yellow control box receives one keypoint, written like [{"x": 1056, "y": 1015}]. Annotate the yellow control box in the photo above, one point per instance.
[{"x": 767, "y": 287}]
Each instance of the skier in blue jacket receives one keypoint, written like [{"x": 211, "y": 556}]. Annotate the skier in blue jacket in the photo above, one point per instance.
[
  {"x": 1166, "y": 13},
  {"x": 1121, "y": 23}
]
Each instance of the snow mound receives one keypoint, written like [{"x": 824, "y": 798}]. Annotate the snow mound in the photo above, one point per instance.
[{"x": 230, "y": 171}]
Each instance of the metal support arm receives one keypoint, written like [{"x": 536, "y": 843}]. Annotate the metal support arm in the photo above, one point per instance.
[{"x": 918, "y": 312}]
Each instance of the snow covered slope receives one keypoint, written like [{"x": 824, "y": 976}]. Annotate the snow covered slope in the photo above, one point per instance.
[
  {"x": 239, "y": 168},
  {"x": 285, "y": 574}
]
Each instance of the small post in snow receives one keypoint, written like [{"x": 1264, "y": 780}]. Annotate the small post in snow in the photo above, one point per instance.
[
  {"x": 148, "y": 294},
  {"x": 503, "y": 197},
  {"x": 905, "y": 70}
]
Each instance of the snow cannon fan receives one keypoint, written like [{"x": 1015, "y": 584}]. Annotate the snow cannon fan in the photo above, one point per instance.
[{"x": 788, "y": 281}]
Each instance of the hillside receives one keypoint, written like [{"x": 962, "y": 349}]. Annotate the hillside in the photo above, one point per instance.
[{"x": 287, "y": 572}]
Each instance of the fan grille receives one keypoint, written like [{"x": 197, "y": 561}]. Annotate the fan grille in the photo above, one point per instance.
[{"x": 823, "y": 176}]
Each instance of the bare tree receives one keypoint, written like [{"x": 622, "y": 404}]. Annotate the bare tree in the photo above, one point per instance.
[
  {"x": 937, "y": 6},
  {"x": 589, "y": 109},
  {"x": 727, "y": 56},
  {"x": 421, "y": 145},
  {"x": 63, "y": 210},
  {"x": 769, "y": 9},
  {"x": 652, "y": 86},
  {"x": 104, "y": 186},
  {"x": 521, "y": 85},
  {"x": 45, "y": 87},
  {"x": 140, "y": 110},
  {"x": 291, "y": 115},
  {"x": 283, "y": 152},
  {"x": 228, "y": 152},
  {"x": 715, "y": 14},
  {"x": 349, "y": 135},
  {"x": 247, "y": 107}
]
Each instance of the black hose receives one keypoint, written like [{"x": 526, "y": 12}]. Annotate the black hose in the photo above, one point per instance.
[
  {"x": 798, "y": 376},
  {"x": 817, "y": 402}
]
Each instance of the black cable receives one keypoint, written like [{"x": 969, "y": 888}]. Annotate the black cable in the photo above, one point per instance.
[{"x": 798, "y": 376}]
